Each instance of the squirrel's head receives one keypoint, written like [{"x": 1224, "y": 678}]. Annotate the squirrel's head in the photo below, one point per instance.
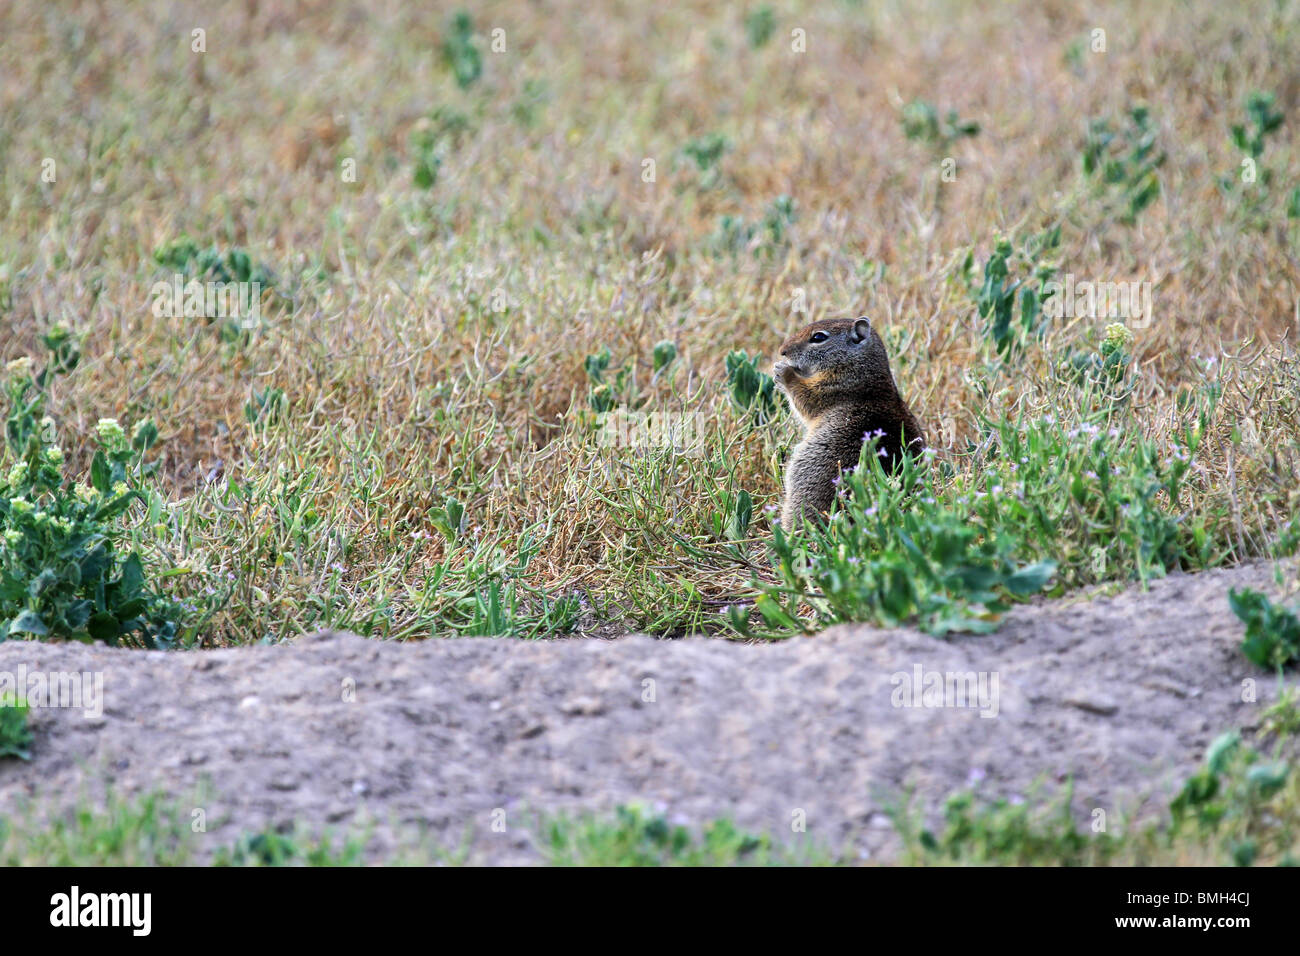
[{"x": 833, "y": 361}]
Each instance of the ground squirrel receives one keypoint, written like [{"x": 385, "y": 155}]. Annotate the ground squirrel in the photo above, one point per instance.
[{"x": 836, "y": 375}]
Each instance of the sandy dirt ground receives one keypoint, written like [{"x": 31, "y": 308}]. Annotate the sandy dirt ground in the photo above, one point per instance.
[{"x": 1121, "y": 693}]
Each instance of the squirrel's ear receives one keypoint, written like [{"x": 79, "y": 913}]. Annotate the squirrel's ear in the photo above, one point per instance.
[{"x": 860, "y": 331}]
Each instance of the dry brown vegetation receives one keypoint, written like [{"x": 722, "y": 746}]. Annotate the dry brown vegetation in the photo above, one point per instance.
[{"x": 430, "y": 342}]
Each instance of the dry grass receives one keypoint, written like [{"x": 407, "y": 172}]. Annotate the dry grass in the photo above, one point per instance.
[{"x": 405, "y": 387}]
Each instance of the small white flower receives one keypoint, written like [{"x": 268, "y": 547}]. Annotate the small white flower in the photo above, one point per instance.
[{"x": 110, "y": 432}]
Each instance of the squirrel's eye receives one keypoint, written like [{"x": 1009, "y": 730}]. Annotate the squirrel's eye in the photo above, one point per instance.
[{"x": 819, "y": 337}]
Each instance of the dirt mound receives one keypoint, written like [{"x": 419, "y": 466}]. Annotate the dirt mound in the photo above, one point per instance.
[{"x": 1123, "y": 693}]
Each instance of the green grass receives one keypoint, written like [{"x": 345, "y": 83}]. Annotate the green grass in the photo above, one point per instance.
[
  {"x": 633, "y": 837},
  {"x": 15, "y": 734}
]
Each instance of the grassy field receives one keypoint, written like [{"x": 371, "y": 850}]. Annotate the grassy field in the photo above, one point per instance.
[{"x": 509, "y": 256}]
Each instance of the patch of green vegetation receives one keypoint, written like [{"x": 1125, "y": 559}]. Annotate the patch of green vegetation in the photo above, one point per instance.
[
  {"x": 922, "y": 122},
  {"x": 528, "y": 106},
  {"x": 1240, "y": 809},
  {"x": 150, "y": 831},
  {"x": 637, "y": 838},
  {"x": 1282, "y": 717},
  {"x": 265, "y": 406},
  {"x": 65, "y": 568},
  {"x": 951, "y": 551},
  {"x": 1272, "y": 630},
  {"x": 764, "y": 240},
  {"x": 15, "y": 735},
  {"x": 1241, "y": 804},
  {"x": 706, "y": 153},
  {"x": 732, "y": 236},
  {"x": 1122, "y": 158},
  {"x": 155, "y": 830},
  {"x": 1252, "y": 183},
  {"x": 1103, "y": 371},
  {"x": 1261, "y": 120},
  {"x": 433, "y": 139},
  {"x": 619, "y": 389},
  {"x": 460, "y": 52},
  {"x": 1014, "y": 276},
  {"x": 894, "y": 554},
  {"x": 272, "y": 848},
  {"x": 752, "y": 390},
  {"x": 777, "y": 220},
  {"x": 1004, "y": 832},
  {"x": 212, "y": 263},
  {"x": 481, "y": 586},
  {"x": 760, "y": 24}
]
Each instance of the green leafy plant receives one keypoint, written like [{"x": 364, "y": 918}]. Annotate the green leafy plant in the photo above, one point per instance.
[
  {"x": 1228, "y": 798},
  {"x": 752, "y": 390},
  {"x": 1122, "y": 159},
  {"x": 732, "y": 235},
  {"x": 1272, "y": 630},
  {"x": 265, "y": 405},
  {"x": 1012, "y": 290},
  {"x": 760, "y": 24},
  {"x": 213, "y": 263},
  {"x": 895, "y": 554},
  {"x": 460, "y": 52},
  {"x": 637, "y": 838},
  {"x": 427, "y": 161},
  {"x": 1261, "y": 120},
  {"x": 706, "y": 153},
  {"x": 1239, "y": 808},
  {"x": 1253, "y": 182},
  {"x": 764, "y": 240},
  {"x": 15, "y": 735},
  {"x": 777, "y": 220},
  {"x": 432, "y": 139},
  {"x": 1085, "y": 504},
  {"x": 269, "y": 847},
  {"x": 665, "y": 353},
  {"x": 1004, "y": 832},
  {"x": 63, "y": 570},
  {"x": 1104, "y": 370},
  {"x": 607, "y": 394},
  {"x": 922, "y": 122}
]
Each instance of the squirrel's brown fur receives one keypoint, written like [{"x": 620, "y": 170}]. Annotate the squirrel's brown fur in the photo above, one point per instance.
[{"x": 841, "y": 389}]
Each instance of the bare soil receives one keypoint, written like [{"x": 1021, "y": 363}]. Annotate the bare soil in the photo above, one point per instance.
[{"x": 1121, "y": 693}]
